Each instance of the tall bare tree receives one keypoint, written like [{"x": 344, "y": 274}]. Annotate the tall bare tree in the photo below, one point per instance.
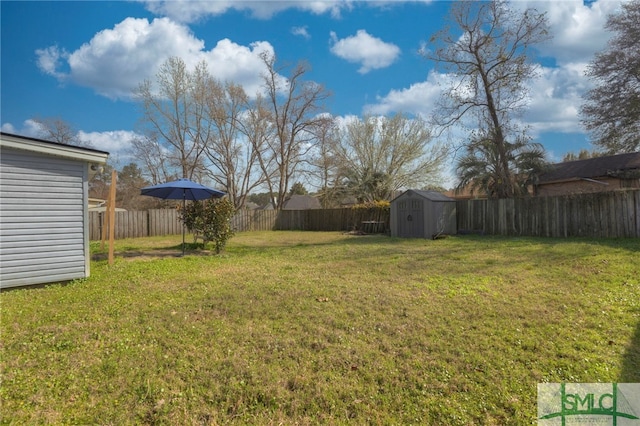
[
  {"x": 230, "y": 150},
  {"x": 170, "y": 117},
  {"x": 611, "y": 111},
  {"x": 491, "y": 63},
  {"x": 325, "y": 164},
  {"x": 257, "y": 126},
  {"x": 150, "y": 153},
  {"x": 380, "y": 155},
  {"x": 295, "y": 108}
]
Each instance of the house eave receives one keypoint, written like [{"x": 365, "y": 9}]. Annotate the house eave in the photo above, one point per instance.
[{"x": 39, "y": 146}]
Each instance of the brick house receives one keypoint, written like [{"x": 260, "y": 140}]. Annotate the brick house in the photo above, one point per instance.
[{"x": 598, "y": 174}]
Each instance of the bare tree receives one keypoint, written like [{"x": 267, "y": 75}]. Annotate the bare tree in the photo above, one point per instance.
[
  {"x": 230, "y": 150},
  {"x": 153, "y": 157},
  {"x": 380, "y": 155},
  {"x": 325, "y": 164},
  {"x": 491, "y": 64},
  {"x": 170, "y": 117},
  {"x": 611, "y": 111},
  {"x": 258, "y": 128},
  {"x": 294, "y": 106},
  {"x": 57, "y": 130}
]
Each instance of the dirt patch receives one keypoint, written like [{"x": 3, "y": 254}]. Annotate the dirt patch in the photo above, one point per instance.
[{"x": 152, "y": 254}]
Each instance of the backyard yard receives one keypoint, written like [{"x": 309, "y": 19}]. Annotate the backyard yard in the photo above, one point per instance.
[{"x": 322, "y": 328}]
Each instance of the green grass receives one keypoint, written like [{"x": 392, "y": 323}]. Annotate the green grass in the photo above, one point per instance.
[{"x": 322, "y": 328}]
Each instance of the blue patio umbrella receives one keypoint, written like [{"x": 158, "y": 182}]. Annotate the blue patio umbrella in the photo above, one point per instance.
[{"x": 181, "y": 189}]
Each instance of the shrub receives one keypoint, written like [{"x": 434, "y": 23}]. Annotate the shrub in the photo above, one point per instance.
[
  {"x": 379, "y": 204},
  {"x": 210, "y": 220}
]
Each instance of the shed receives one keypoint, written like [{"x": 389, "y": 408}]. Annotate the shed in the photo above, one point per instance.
[
  {"x": 422, "y": 214},
  {"x": 44, "y": 202}
]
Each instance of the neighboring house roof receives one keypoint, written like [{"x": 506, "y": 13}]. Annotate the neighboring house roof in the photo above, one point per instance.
[
  {"x": 429, "y": 195},
  {"x": 592, "y": 168},
  {"x": 96, "y": 202},
  {"x": 251, "y": 206},
  {"x": 102, "y": 209},
  {"x": 348, "y": 201},
  {"x": 302, "y": 202}
]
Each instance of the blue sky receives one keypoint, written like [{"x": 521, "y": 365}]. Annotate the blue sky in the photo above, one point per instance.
[{"x": 79, "y": 60}]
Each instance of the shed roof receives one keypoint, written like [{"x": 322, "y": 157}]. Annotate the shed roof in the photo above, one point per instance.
[
  {"x": 429, "y": 195},
  {"x": 26, "y": 143},
  {"x": 591, "y": 168}
]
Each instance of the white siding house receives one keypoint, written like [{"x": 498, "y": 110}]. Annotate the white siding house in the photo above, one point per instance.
[{"x": 44, "y": 215}]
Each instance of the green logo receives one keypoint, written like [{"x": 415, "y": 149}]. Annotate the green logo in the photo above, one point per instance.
[{"x": 615, "y": 404}]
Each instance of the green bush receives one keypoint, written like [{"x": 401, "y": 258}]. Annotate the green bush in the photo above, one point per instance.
[
  {"x": 210, "y": 220},
  {"x": 383, "y": 205}
]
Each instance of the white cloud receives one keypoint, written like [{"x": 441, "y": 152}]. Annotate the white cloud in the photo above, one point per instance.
[
  {"x": 577, "y": 28},
  {"x": 370, "y": 52},
  {"x": 115, "y": 61},
  {"x": 555, "y": 100},
  {"x": 419, "y": 98},
  {"x": 50, "y": 58},
  {"x": 117, "y": 142},
  {"x": 29, "y": 128},
  {"x": 301, "y": 31},
  {"x": 556, "y": 96},
  {"x": 191, "y": 11},
  {"x": 240, "y": 64}
]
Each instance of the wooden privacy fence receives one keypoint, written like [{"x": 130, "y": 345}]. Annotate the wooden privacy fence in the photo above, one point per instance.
[
  {"x": 331, "y": 219},
  {"x": 309, "y": 220},
  {"x": 606, "y": 214},
  {"x": 134, "y": 224}
]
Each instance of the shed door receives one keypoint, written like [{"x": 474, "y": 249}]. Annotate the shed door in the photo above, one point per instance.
[{"x": 411, "y": 218}]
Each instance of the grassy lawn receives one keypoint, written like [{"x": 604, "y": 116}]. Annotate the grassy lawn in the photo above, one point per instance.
[{"x": 309, "y": 328}]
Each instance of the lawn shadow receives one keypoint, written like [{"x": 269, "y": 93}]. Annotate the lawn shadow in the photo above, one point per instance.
[
  {"x": 191, "y": 249},
  {"x": 629, "y": 244},
  {"x": 631, "y": 360}
]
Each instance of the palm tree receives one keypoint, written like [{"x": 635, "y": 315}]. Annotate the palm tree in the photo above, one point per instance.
[{"x": 481, "y": 169}]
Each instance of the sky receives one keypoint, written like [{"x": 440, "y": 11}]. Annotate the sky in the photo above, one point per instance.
[{"x": 80, "y": 60}]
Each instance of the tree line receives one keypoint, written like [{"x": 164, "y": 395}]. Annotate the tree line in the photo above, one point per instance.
[{"x": 195, "y": 126}]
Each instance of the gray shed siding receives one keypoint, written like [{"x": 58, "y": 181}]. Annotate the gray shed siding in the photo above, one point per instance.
[
  {"x": 43, "y": 215},
  {"x": 422, "y": 214}
]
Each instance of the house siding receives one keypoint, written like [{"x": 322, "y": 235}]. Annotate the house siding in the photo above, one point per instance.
[
  {"x": 43, "y": 219},
  {"x": 577, "y": 186}
]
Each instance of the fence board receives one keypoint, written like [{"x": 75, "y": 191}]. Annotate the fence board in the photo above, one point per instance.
[{"x": 612, "y": 214}]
